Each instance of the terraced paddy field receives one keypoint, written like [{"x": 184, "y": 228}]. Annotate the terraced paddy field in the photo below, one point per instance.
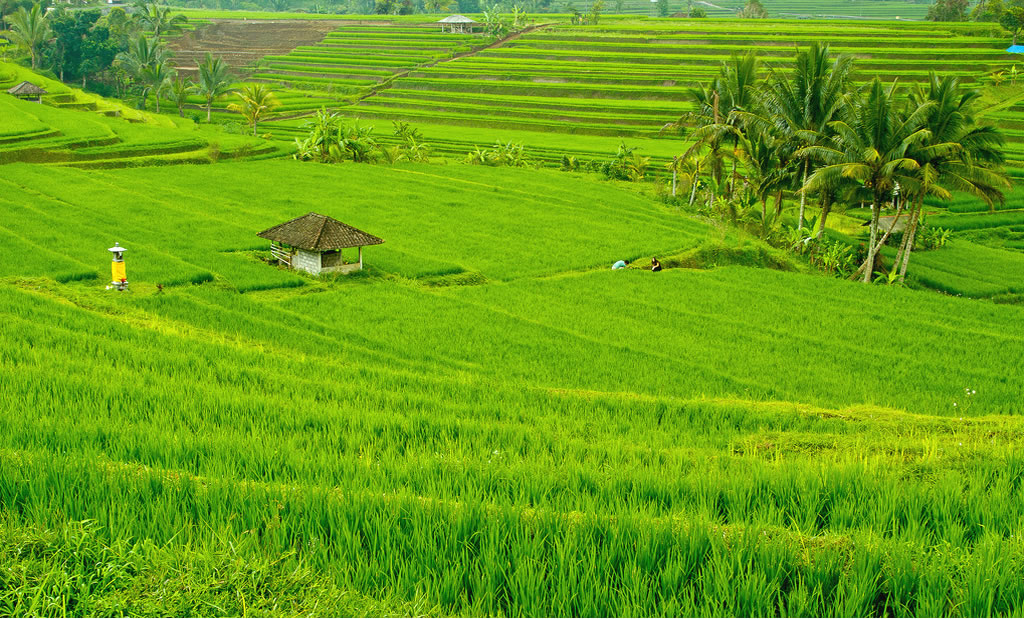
[
  {"x": 792, "y": 9},
  {"x": 624, "y": 78},
  {"x": 488, "y": 421},
  {"x": 71, "y": 128},
  {"x": 631, "y": 78}
]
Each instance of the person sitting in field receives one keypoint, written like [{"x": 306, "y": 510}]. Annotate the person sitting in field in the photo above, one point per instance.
[
  {"x": 655, "y": 265},
  {"x": 621, "y": 264}
]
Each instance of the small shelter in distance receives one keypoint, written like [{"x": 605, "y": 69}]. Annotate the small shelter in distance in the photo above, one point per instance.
[
  {"x": 457, "y": 24},
  {"x": 27, "y": 90},
  {"x": 314, "y": 243}
]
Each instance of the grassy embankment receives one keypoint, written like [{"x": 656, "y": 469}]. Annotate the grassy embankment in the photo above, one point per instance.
[
  {"x": 78, "y": 129},
  {"x": 556, "y": 439}
]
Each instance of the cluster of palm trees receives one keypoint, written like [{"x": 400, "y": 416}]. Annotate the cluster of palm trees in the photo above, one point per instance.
[
  {"x": 812, "y": 135},
  {"x": 147, "y": 61}
]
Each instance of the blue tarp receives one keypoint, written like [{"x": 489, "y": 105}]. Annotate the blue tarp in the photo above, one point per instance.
[{"x": 1016, "y": 49}]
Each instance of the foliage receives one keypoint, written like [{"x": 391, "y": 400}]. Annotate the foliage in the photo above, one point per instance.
[
  {"x": 31, "y": 30},
  {"x": 948, "y": 10},
  {"x": 753, "y": 9},
  {"x": 181, "y": 88},
  {"x": 257, "y": 101},
  {"x": 627, "y": 165},
  {"x": 158, "y": 19},
  {"x": 214, "y": 80},
  {"x": 507, "y": 154},
  {"x": 147, "y": 61},
  {"x": 1012, "y": 20},
  {"x": 932, "y": 237}
]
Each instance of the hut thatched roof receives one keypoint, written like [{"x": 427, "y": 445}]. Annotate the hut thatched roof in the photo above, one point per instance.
[
  {"x": 315, "y": 232},
  {"x": 26, "y": 88},
  {"x": 456, "y": 19}
]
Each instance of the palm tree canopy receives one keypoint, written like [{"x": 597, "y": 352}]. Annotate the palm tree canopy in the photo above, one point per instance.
[
  {"x": 30, "y": 29},
  {"x": 214, "y": 78}
]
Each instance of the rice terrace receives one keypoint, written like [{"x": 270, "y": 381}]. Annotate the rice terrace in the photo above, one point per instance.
[{"x": 538, "y": 308}]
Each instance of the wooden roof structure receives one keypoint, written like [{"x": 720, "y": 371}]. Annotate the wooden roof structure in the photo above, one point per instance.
[
  {"x": 26, "y": 89},
  {"x": 315, "y": 232}
]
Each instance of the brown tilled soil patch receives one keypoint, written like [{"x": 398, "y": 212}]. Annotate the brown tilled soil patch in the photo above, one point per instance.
[{"x": 240, "y": 43}]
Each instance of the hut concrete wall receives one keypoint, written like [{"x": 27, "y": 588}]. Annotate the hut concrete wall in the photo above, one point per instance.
[{"x": 307, "y": 261}]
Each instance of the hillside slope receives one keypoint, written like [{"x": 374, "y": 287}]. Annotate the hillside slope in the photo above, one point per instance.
[{"x": 552, "y": 438}]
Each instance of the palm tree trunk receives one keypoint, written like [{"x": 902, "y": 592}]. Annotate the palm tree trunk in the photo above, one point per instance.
[
  {"x": 209, "y": 102},
  {"x": 803, "y": 197},
  {"x": 909, "y": 236},
  {"x": 674, "y": 171},
  {"x": 778, "y": 203},
  {"x": 875, "y": 248},
  {"x": 732, "y": 181},
  {"x": 869, "y": 262},
  {"x": 693, "y": 188},
  {"x": 254, "y": 121},
  {"x": 826, "y": 207}
]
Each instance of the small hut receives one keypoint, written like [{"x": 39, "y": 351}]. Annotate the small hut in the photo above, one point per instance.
[
  {"x": 27, "y": 90},
  {"x": 457, "y": 24},
  {"x": 314, "y": 243}
]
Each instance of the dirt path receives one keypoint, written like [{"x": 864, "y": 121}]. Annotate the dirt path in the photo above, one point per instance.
[{"x": 387, "y": 82}]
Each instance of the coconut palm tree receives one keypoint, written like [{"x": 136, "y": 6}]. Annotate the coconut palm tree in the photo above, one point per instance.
[
  {"x": 870, "y": 145},
  {"x": 181, "y": 87},
  {"x": 974, "y": 166},
  {"x": 157, "y": 79},
  {"x": 146, "y": 60},
  {"x": 802, "y": 104},
  {"x": 214, "y": 81},
  {"x": 257, "y": 102},
  {"x": 719, "y": 107},
  {"x": 31, "y": 30},
  {"x": 159, "y": 20}
]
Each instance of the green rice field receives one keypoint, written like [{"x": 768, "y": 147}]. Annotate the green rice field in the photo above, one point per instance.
[{"x": 489, "y": 421}]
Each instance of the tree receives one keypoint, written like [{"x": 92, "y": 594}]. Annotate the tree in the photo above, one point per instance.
[
  {"x": 698, "y": 13},
  {"x": 98, "y": 52},
  {"x": 720, "y": 105},
  {"x": 1012, "y": 20},
  {"x": 157, "y": 79},
  {"x": 31, "y": 30},
  {"x": 438, "y": 6},
  {"x": 181, "y": 88},
  {"x": 158, "y": 19},
  {"x": 753, "y": 10},
  {"x": 988, "y": 11},
  {"x": 948, "y": 10},
  {"x": 9, "y": 6},
  {"x": 257, "y": 102},
  {"x": 595, "y": 11},
  {"x": 870, "y": 145},
  {"x": 214, "y": 81},
  {"x": 801, "y": 105},
  {"x": 958, "y": 154},
  {"x": 146, "y": 61},
  {"x": 70, "y": 30},
  {"x": 663, "y": 9}
]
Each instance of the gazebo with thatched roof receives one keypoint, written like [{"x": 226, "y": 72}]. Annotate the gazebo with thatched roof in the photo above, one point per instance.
[
  {"x": 457, "y": 24},
  {"x": 27, "y": 90},
  {"x": 314, "y": 243}
]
